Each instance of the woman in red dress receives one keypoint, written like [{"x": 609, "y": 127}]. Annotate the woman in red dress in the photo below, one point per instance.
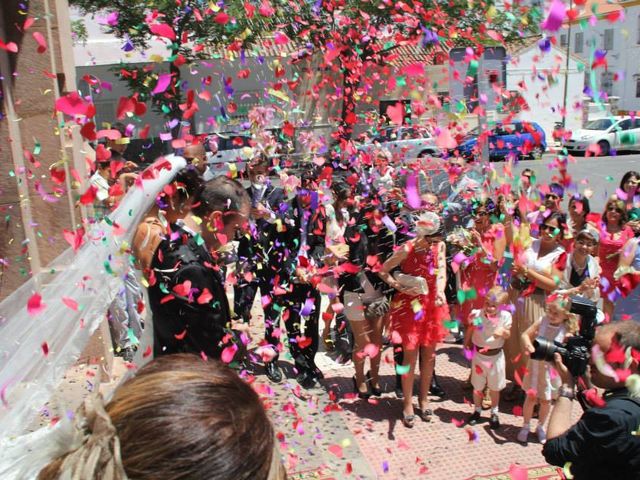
[
  {"x": 489, "y": 243},
  {"x": 419, "y": 308},
  {"x": 613, "y": 235}
]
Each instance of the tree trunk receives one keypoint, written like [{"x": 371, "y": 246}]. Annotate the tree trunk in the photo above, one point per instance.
[{"x": 348, "y": 116}]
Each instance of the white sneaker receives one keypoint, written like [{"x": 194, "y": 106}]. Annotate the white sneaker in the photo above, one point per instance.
[
  {"x": 523, "y": 434},
  {"x": 542, "y": 435}
]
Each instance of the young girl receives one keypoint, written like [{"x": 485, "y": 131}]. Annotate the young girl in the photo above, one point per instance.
[
  {"x": 488, "y": 329},
  {"x": 540, "y": 383},
  {"x": 417, "y": 312}
]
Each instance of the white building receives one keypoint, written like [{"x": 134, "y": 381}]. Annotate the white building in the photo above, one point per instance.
[
  {"x": 613, "y": 28},
  {"x": 539, "y": 77}
]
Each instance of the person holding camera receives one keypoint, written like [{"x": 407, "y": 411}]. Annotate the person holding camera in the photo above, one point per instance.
[
  {"x": 604, "y": 443},
  {"x": 539, "y": 384}
]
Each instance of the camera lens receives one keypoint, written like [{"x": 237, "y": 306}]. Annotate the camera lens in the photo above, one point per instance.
[{"x": 544, "y": 349}]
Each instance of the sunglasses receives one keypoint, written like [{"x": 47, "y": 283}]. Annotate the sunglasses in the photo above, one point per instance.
[
  {"x": 613, "y": 208},
  {"x": 547, "y": 228}
]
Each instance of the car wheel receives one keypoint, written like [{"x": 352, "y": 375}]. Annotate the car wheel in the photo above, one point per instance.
[
  {"x": 426, "y": 153},
  {"x": 604, "y": 148},
  {"x": 537, "y": 152}
]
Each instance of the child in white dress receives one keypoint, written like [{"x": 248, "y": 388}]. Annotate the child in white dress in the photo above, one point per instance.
[{"x": 541, "y": 382}]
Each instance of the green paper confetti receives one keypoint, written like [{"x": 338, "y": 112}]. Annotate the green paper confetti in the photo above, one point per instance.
[
  {"x": 402, "y": 369},
  {"x": 450, "y": 324},
  {"x": 473, "y": 68},
  {"x": 107, "y": 267}
]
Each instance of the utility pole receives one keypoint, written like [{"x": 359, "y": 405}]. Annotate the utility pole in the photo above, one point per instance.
[
  {"x": 482, "y": 112},
  {"x": 566, "y": 72}
]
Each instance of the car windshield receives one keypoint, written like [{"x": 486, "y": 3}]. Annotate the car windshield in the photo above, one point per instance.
[{"x": 600, "y": 124}]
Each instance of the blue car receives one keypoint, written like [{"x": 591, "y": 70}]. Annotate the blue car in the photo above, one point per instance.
[{"x": 518, "y": 139}]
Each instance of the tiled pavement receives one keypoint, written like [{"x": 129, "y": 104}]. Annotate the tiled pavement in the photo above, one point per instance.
[
  {"x": 366, "y": 439},
  {"x": 328, "y": 433}
]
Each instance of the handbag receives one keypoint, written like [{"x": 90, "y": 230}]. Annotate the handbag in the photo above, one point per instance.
[{"x": 377, "y": 308}]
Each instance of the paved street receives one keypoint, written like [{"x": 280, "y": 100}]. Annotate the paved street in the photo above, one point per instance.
[{"x": 600, "y": 174}]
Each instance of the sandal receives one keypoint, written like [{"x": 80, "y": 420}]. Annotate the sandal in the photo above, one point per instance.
[
  {"x": 361, "y": 394},
  {"x": 426, "y": 415},
  {"x": 408, "y": 420},
  {"x": 376, "y": 391}
]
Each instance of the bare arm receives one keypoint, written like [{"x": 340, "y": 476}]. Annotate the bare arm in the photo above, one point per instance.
[
  {"x": 500, "y": 243},
  {"x": 441, "y": 275},
  {"x": 546, "y": 281},
  {"x": 146, "y": 240},
  {"x": 526, "y": 339},
  {"x": 392, "y": 262},
  {"x": 628, "y": 253},
  {"x": 560, "y": 420}
]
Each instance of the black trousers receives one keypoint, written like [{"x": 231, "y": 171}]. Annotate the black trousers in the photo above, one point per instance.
[
  {"x": 303, "y": 298},
  {"x": 243, "y": 295},
  {"x": 302, "y": 330}
]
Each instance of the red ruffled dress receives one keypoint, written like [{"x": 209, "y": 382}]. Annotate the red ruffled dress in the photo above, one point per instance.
[
  {"x": 609, "y": 253},
  {"x": 480, "y": 275},
  {"x": 417, "y": 318}
]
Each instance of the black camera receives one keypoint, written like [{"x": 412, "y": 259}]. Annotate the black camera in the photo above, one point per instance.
[{"x": 576, "y": 351}]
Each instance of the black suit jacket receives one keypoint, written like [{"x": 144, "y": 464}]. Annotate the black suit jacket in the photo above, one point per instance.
[
  {"x": 187, "y": 299},
  {"x": 315, "y": 229},
  {"x": 257, "y": 250}
]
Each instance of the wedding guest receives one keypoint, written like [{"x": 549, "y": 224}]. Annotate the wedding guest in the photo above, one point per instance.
[
  {"x": 419, "y": 310},
  {"x": 614, "y": 233}
]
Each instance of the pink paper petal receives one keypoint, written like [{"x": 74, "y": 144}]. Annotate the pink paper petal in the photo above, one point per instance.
[
  {"x": 164, "y": 80},
  {"x": 557, "y": 14},
  {"x": 35, "y": 305}
]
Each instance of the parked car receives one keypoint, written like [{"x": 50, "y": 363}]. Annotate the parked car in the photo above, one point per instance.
[
  {"x": 619, "y": 133},
  {"x": 515, "y": 138},
  {"x": 403, "y": 142},
  {"x": 232, "y": 149}
]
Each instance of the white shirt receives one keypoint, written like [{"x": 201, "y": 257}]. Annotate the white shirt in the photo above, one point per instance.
[
  {"x": 335, "y": 230},
  {"x": 483, "y": 334},
  {"x": 541, "y": 264}
]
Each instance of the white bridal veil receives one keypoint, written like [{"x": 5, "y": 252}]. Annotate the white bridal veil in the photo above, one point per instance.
[{"x": 39, "y": 344}]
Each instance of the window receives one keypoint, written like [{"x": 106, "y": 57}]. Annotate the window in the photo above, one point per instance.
[
  {"x": 563, "y": 40},
  {"x": 600, "y": 124},
  {"x": 607, "y": 83},
  {"x": 578, "y": 48},
  {"x": 624, "y": 125},
  {"x": 608, "y": 39},
  {"x": 637, "y": 87}
]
